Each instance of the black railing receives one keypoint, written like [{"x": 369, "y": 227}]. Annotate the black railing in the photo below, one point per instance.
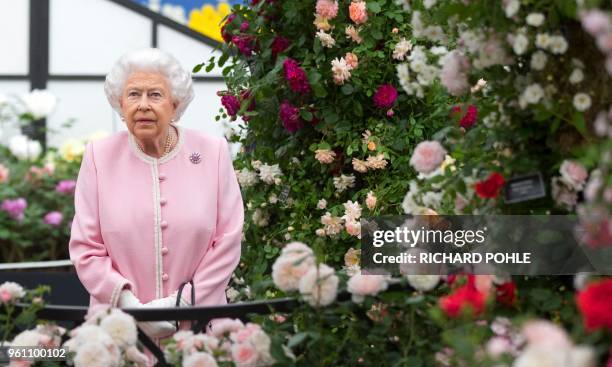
[{"x": 199, "y": 315}]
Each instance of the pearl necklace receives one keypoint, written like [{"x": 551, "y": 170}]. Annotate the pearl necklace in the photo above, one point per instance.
[{"x": 170, "y": 140}]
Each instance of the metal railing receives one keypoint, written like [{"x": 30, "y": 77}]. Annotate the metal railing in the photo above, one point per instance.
[{"x": 199, "y": 315}]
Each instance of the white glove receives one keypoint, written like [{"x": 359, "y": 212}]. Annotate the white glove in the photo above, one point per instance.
[
  {"x": 154, "y": 329},
  {"x": 166, "y": 302}
]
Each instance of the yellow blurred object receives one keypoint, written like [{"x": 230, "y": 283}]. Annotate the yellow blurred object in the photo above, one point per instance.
[
  {"x": 72, "y": 149},
  {"x": 208, "y": 20}
]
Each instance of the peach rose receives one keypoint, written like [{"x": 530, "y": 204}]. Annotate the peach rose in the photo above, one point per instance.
[{"x": 358, "y": 12}]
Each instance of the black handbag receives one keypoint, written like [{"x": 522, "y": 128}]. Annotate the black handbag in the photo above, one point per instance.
[{"x": 178, "y": 297}]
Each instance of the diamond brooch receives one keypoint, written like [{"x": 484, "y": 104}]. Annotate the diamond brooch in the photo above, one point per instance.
[{"x": 195, "y": 158}]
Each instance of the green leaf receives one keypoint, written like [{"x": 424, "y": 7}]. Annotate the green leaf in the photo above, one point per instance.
[
  {"x": 223, "y": 59},
  {"x": 347, "y": 89},
  {"x": 579, "y": 123},
  {"x": 567, "y": 8},
  {"x": 197, "y": 68},
  {"x": 210, "y": 66},
  {"x": 297, "y": 339},
  {"x": 324, "y": 145},
  {"x": 319, "y": 91},
  {"x": 331, "y": 118},
  {"x": 306, "y": 115},
  {"x": 374, "y": 7},
  {"x": 377, "y": 34}
]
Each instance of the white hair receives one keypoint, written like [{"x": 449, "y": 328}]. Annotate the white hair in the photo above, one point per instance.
[{"x": 150, "y": 59}]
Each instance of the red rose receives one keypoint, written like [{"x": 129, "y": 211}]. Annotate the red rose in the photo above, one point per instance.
[
  {"x": 506, "y": 293},
  {"x": 468, "y": 119},
  {"x": 466, "y": 297},
  {"x": 595, "y": 304},
  {"x": 490, "y": 188}
]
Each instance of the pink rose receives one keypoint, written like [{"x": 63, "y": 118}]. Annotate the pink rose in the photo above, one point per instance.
[
  {"x": 327, "y": 8},
  {"x": 353, "y": 228},
  {"x": 604, "y": 42},
  {"x": 366, "y": 285},
  {"x": 244, "y": 354},
  {"x": 595, "y": 21},
  {"x": 351, "y": 60},
  {"x": 497, "y": 345},
  {"x": 546, "y": 334},
  {"x": 53, "y": 219},
  {"x": 15, "y": 208},
  {"x": 573, "y": 174},
  {"x": 427, "y": 156},
  {"x": 223, "y": 326},
  {"x": 358, "y": 12},
  {"x": 4, "y": 173},
  {"x": 66, "y": 187},
  {"x": 454, "y": 73}
]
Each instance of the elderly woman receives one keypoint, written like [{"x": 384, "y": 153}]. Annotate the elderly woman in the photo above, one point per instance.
[{"x": 157, "y": 206}]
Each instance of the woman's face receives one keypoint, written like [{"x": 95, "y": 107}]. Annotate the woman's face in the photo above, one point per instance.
[{"x": 147, "y": 105}]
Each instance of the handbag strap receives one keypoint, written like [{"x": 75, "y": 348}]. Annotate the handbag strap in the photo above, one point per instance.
[{"x": 178, "y": 297}]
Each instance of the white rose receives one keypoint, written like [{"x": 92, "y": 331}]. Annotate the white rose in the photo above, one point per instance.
[
  {"x": 543, "y": 40},
  {"x": 423, "y": 282},
  {"x": 199, "y": 359},
  {"x": 512, "y": 8},
  {"x": 27, "y": 338},
  {"x": 538, "y": 60},
  {"x": 535, "y": 19},
  {"x": 39, "y": 103},
  {"x": 289, "y": 268},
  {"x": 121, "y": 327},
  {"x": 576, "y": 76},
  {"x": 319, "y": 286},
  {"x": 558, "y": 45},
  {"x": 520, "y": 44},
  {"x": 582, "y": 101},
  {"x": 429, "y": 3},
  {"x": 92, "y": 354},
  {"x": 23, "y": 148},
  {"x": 366, "y": 285},
  {"x": 533, "y": 93}
]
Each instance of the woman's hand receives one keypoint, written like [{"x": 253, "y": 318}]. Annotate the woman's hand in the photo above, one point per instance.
[
  {"x": 154, "y": 329},
  {"x": 166, "y": 302}
]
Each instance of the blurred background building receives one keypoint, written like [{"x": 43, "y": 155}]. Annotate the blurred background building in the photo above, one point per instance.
[{"x": 68, "y": 46}]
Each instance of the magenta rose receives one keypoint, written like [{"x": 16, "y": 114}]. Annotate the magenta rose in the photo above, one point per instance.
[
  {"x": 295, "y": 76},
  {"x": 245, "y": 44},
  {"x": 385, "y": 96},
  {"x": 290, "y": 116},
  {"x": 231, "y": 104},
  {"x": 15, "y": 208},
  {"x": 279, "y": 45},
  {"x": 66, "y": 187},
  {"x": 53, "y": 219}
]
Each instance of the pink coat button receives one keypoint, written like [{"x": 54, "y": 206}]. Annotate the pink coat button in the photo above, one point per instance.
[
  {"x": 163, "y": 224},
  {"x": 162, "y": 177},
  {"x": 163, "y": 201},
  {"x": 164, "y": 250},
  {"x": 165, "y": 277}
]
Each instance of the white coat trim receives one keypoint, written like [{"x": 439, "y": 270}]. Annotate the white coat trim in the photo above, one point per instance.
[
  {"x": 147, "y": 158},
  {"x": 115, "y": 295},
  {"x": 157, "y": 229},
  {"x": 154, "y": 164}
]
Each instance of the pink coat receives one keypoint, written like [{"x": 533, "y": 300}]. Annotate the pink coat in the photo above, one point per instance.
[{"x": 151, "y": 224}]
